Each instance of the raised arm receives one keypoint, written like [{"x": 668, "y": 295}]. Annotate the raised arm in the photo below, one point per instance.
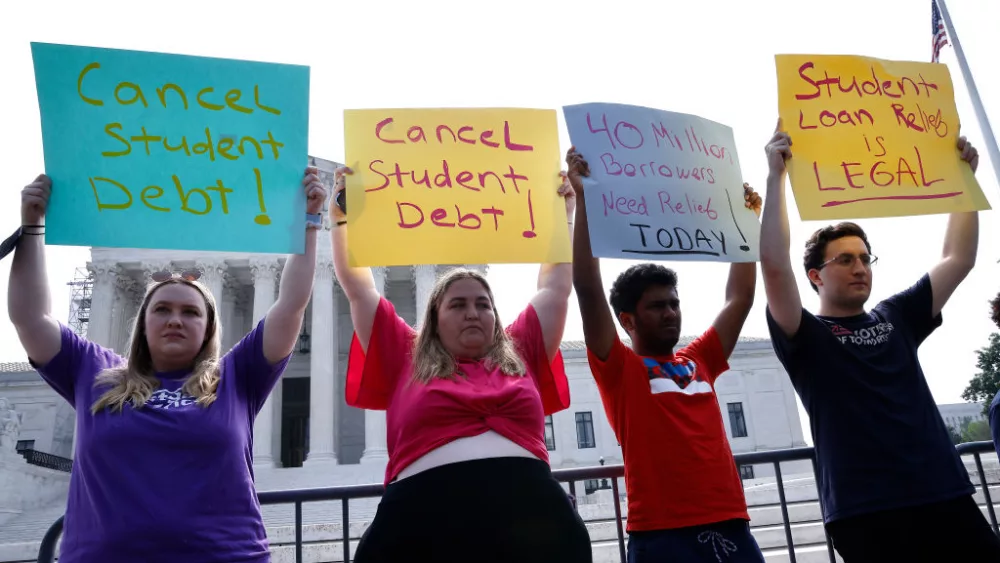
[
  {"x": 740, "y": 290},
  {"x": 961, "y": 243},
  {"x": 358, "y": 283},
  {"x": 28, "y": 303},
  {"x": 555, "y": 283},
  {"x": 599, "y": 331},
  {"x": 284, "y": 320},
  {"x": 783, "y": 298}
]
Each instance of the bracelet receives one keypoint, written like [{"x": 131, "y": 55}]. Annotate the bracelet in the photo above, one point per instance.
[{"x": 339, "y": 223}]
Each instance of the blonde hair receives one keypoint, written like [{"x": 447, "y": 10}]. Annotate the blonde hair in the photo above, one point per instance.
[
  {"x": 135, "y": 381},
  {"x": 430, "y": 358}
]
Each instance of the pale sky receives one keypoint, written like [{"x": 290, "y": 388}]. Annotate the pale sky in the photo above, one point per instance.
[{"x": 712, "y": 59}]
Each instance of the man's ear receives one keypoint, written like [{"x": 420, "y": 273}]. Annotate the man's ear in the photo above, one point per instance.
[
  {"x": 627, "y": 321},
  {"x": 814, "y": 277}
]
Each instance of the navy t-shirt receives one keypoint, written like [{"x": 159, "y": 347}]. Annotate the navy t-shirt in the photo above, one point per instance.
[{"x": 880, "y": 441}]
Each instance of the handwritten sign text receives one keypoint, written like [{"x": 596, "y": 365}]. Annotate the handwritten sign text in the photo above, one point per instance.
[
  {"x": 662, "y": 185},
  {"x": 873, "y": 138},
  {"x": 454, "y": 186},
  {"x": 149, "y": 150}
]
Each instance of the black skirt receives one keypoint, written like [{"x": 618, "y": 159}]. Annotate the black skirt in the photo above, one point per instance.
[{"x": 501, "y": 509}]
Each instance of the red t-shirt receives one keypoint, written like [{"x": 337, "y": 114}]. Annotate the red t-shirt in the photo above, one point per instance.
[
  {"x": 423, "y": 417},
  {"x": 679, "y": 470}
]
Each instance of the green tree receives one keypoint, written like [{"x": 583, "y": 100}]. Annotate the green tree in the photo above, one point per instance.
[
  {"x": 985, "y": 384},
  {"x": 978, "y": 431}
]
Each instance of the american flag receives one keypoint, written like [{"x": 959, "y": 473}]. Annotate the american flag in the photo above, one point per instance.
[{"x": 937, "y": 31}]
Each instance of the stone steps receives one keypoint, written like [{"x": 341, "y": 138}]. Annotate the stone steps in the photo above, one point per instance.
[{"x": 21, "y": 536}]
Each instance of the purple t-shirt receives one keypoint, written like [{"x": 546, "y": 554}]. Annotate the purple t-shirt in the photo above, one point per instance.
[{"x": 172, "y": 481}]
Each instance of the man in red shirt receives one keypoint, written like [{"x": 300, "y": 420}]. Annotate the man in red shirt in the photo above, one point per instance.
[{"x": 685, "y": 496}]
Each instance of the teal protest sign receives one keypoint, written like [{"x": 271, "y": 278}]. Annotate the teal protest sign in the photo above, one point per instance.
[{"x": 152, "y": 150}]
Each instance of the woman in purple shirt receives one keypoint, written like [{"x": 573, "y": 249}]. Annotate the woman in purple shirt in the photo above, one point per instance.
[{"x": 163, "y": 468}]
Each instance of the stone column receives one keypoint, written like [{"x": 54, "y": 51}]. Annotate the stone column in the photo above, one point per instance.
[
  {"x": 424, "y": 277},
  {"x": 376, "y": 451},
  {"x": 323, "y": 356},
  {"x": 265, "y": 275},
  {"x": 101, "y": 302},
  {"x": 213, "y": 275},
  {"x": 227, "y": 312},
  {"x": 121, "y": 312},
  {"x": 137, "y": 292}
]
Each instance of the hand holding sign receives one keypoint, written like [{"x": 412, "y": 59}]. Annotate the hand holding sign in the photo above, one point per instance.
[
  {"x": 752, "y": 199},
  {"x": 315, "y": 191},
  {"x": 778, "y": 150},
  {"x": 579, "y": 169},
  {"x": 35, "y": 200},
  {"x": 568, "y": 194},
  {"x": 338, "y": 213},
  {"x": 969, "y": 153}
]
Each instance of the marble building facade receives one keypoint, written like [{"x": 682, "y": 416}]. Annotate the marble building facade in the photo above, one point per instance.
[{"x": 306, "y": 423}]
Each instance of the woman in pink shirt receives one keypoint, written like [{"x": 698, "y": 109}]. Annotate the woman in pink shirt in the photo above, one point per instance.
[{"x": 468, "y": 477}]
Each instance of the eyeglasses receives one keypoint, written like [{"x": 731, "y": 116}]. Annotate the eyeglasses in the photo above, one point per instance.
[
  {"x": 847, "y": 260},
  {"x": 164, "y": 275}
]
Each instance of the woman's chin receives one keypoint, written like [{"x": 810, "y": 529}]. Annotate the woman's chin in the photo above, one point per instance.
[{"x": 474, "y": 346}]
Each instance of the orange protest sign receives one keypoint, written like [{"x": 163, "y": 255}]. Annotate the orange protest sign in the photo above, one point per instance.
[{"x": 872, "y": 138}]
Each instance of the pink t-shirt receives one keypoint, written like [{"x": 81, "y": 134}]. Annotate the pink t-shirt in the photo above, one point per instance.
[{"x": 423, "y": 417}]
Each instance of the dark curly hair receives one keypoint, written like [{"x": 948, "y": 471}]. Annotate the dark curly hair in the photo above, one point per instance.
[
  {"x": 817, "y": 243},
  {"x": 632, "y": 283},
  {"x": 995, "y": 310}
]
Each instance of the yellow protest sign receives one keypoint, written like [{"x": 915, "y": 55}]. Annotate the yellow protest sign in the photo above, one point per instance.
[
  {"x": 872, "y": 138},
  {"x": 454, "y": 186}
]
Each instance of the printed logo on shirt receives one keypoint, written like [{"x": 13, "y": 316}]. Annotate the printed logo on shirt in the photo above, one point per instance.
[
  {"x": 839, "y": 330},
  {"x": 680, "y": 376},
  {"x": 166, "y": 400},
  {"x": 875, "y": 335}
]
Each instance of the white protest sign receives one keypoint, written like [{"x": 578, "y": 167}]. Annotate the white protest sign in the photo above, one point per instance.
[{"x": 662, "y": 185}]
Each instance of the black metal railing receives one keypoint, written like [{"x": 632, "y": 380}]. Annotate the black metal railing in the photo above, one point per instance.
[
  {"x": 47, "y": 460},
  {"x": 296, "y": 497},
  {"x": 976, "y": 449}
]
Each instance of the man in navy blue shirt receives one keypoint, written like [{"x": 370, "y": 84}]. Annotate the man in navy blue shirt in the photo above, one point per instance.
[{"x": 891, "y": 484}]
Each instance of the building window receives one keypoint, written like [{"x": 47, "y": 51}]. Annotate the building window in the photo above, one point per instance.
[
  {"x": 585, "y": 430},
  {"x": 24, "y": 445},
  {"x": 737, "y": 423},
  {"x": 746, "y": 472},
  {"x": 550, "y": 434}
]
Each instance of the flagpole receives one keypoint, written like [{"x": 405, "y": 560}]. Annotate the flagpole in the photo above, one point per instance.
[{"x": 984, "y": 123}]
